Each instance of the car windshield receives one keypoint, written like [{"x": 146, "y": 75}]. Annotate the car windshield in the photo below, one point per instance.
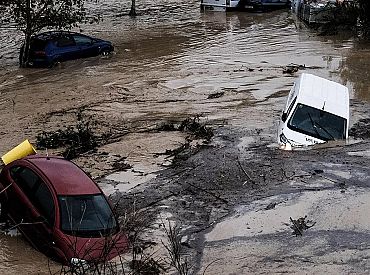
[
  {"x": 317, "y": 123},
  {"x": 87, "y": 216}
]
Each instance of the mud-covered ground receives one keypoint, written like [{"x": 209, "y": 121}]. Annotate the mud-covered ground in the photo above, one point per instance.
[
  {"x": 234, "y": 195},
  {"x": 235, "y": 203}
]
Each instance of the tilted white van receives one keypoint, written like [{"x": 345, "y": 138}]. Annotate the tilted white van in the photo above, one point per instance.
[{"x": 317, "y": 110}]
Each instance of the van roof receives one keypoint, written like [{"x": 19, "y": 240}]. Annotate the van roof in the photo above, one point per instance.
[{"x": 323, "y": 94}]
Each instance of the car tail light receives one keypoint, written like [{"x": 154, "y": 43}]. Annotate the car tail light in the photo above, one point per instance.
[{"x": 40, "y": 53}]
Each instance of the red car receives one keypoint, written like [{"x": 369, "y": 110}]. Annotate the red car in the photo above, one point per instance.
[{"x": 60, "y": 210}]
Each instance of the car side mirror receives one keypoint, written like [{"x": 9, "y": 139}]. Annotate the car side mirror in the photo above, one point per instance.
[{"x": 284, "y": 116}]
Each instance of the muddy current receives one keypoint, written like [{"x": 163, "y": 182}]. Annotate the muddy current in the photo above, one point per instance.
[{"x": 168, "y": 62}]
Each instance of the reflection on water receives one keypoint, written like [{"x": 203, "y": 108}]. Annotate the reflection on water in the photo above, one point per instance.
[
  {"x": 167, "y": 62},
  {"x": 356, "y": 70},
  {"x": 18, "y": 257}
]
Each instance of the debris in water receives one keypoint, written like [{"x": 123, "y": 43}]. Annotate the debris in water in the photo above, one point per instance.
[
  {"x": 121, "y": 164},
  {"x": 199, "y": 130},
  {"x": 318, "y": 171},
  {"x": 191, "y": 125},
  {"x": 167, "y": 126},
  {"x": 147, "y": 266},
  {"x": 342, "y": 186},
  {"x": 293, "y": 68},
  {"x": 216, "y": 95},
  {"x": 300, "y": 225},
  {"x": 74, "y": 140},
  {"x": 361, "y": 129},
  {"x": 270, "y": 206}
]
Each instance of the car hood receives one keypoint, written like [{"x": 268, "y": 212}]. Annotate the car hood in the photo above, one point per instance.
[
  {"x": 92, "y": 249},
  {"x": 103, "y": 41}
]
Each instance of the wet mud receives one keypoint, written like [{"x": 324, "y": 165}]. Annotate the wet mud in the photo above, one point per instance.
[{"x": 233, "y": 194}]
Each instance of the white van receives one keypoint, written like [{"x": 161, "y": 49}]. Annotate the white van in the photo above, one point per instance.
[
  {"x": 317, "y": 110},
  {"x": 219, "y": 5}
]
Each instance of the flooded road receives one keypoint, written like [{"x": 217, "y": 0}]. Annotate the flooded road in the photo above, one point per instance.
[{"x": 167, "y": 63}]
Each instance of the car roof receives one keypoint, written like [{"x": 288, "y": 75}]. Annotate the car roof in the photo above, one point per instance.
[
  {"x": 54, "y": 34},
  {"x": 65, "y": 176},
  {"x": 323, "y": 94}
]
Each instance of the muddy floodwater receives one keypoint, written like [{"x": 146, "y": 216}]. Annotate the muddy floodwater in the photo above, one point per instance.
[{"x": 168, "y": 64}]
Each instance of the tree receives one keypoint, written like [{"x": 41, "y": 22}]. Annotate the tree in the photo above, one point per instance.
[
  {"x": 31, "y": 16},
  {"x": 133, "y": 8},
  {"x": 364, "y": 10}
]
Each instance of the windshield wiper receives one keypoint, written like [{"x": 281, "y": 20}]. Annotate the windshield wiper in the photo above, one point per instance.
[
  {"x": 313, "y": 124},
  {"x": 326, "y": 131}
]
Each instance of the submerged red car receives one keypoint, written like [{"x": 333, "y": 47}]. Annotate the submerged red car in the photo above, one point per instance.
[{"x": 60, "y": 210}]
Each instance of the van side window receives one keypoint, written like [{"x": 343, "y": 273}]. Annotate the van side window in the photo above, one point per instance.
[
  {"x": 291, "y": 93},
  {"x": 291, "y": 106}
]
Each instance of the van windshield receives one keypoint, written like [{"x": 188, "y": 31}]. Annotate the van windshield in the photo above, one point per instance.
[
  {"x": 317, "y": 123},
  {"x": 86, "y": 216}
]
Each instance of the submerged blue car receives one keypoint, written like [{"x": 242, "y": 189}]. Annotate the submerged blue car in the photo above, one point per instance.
[{"x": 50, "y": 48}]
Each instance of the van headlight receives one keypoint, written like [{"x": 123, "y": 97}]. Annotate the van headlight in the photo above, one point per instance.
[
  {"x": 283, "y": 139},
  {"x": 285, "y": 144}
]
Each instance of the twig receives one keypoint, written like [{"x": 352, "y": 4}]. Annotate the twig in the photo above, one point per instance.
[
  {"x": 245, "y": 172},
  {"x": 24, "y": 223},
  {"x": 204, "y": 272},
  {"x": 5, "y": 188},
  {"x": 329, "y": 179},
  {"x": 296, "y": 226},
  {"x": 210, "y": 193}
]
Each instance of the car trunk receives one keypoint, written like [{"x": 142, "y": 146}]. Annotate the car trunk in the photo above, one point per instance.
[{"x": 37, "y": 49}]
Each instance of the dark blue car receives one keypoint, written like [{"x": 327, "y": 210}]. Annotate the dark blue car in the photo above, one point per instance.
[{"x": 50, "y": 48}]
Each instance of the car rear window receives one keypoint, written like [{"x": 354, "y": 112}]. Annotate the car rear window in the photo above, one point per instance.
[{"x": 38, "y": 44}]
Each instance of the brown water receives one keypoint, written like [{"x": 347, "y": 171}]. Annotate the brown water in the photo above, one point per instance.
[{"x": 167, "y": 62}]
